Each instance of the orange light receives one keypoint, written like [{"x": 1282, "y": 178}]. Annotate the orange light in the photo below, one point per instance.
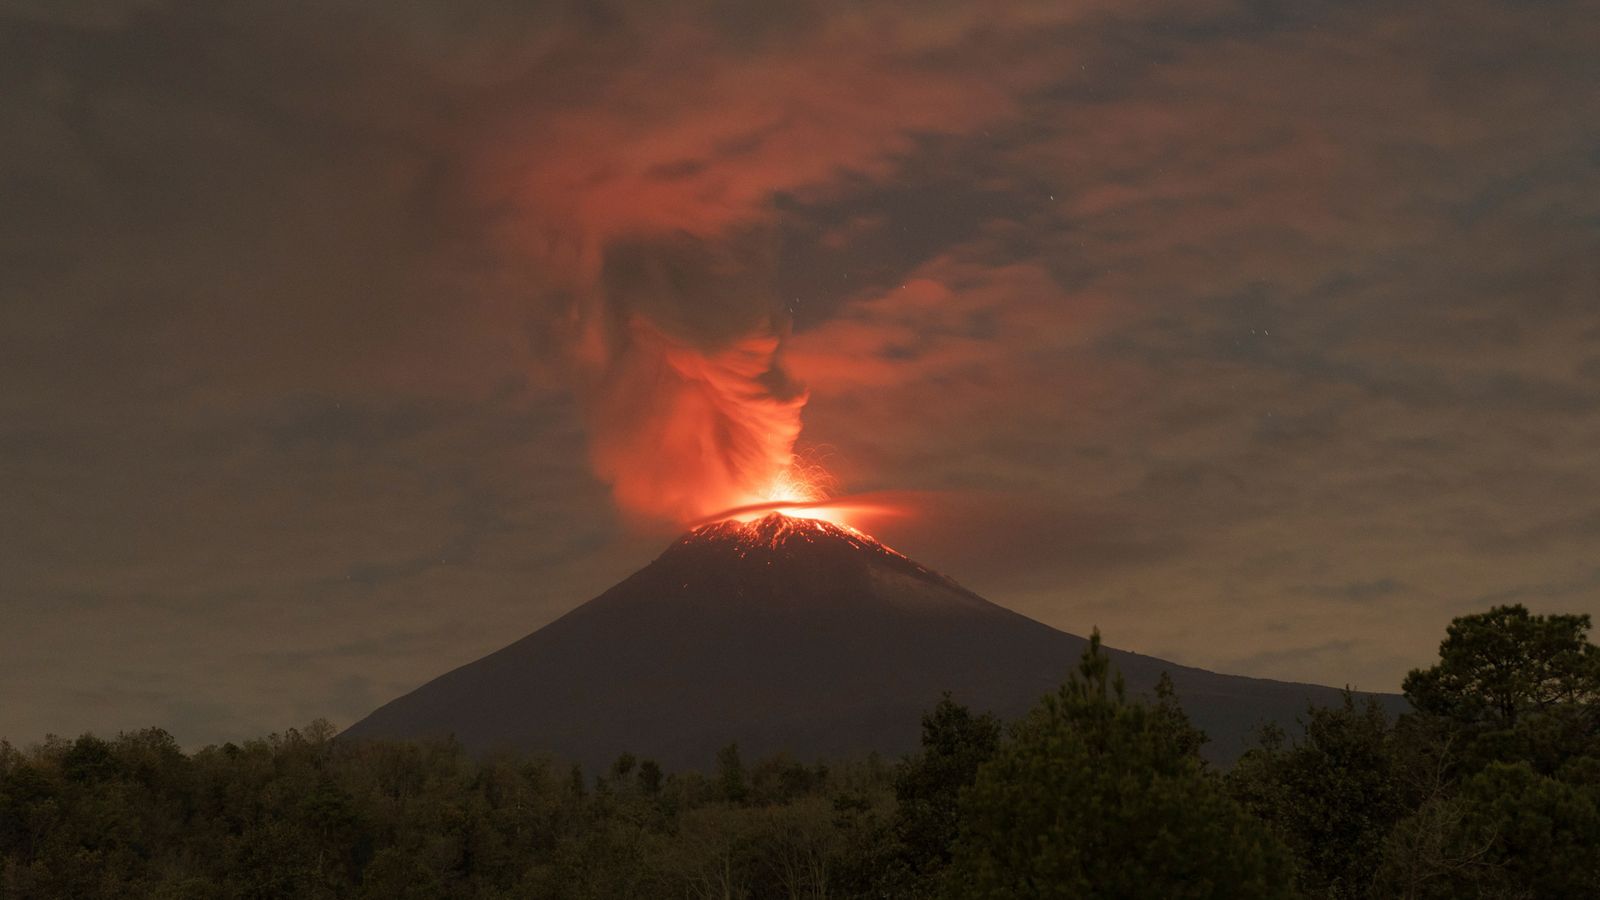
[
  {"x": 823, "y": 510},
  {"x": 793, "y": 501},
  {"x": 798, "y": 491}
]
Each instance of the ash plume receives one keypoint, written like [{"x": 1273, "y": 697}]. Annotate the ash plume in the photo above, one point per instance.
[
  {"x": 632, "y": 174},
  {"x": 688, "y": 405}
]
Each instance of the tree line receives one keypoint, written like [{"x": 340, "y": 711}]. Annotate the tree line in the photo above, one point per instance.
[{"x": 1489, "y": 787}]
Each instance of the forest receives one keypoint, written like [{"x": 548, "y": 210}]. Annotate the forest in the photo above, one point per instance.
[{"x": 1488, "y": 788}]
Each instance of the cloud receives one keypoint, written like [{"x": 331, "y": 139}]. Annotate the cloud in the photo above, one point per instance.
[
  {"x": 1305, "y": 324},
  {"x": 1208, "y": 324},
  {"x": 1359, "y": 591}
]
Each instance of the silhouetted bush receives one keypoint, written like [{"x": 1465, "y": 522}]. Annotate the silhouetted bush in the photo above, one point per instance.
[{"x": 1490, "y": 788}]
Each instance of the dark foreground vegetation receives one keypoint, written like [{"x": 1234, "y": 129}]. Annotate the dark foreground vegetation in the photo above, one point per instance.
[{"x": 1490, "y": 788}]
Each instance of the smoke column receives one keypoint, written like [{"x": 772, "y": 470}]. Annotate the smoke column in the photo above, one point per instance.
[
  {"x": 632, "y": 178},
  {"x": 689, "y": 408}
]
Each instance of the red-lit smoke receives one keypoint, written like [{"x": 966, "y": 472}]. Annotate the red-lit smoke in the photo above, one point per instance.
[
  {"x": 641, "y": 197},
  {"x": 682, "y": 432}
]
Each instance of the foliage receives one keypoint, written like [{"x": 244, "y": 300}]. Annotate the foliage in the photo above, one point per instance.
[
  {"x": 1501, "y": 666},
  {"x": 1489, "y": 788},
  {"x": 302, "y": 815},
  {"x": 1332, "y": 797},
  {"x": 1515, "y": 686},
  {"x": 1095, "y": 796},
  {"x": 928, "y": 786}
]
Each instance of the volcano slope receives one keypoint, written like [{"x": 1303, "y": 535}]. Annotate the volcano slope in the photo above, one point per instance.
[{"x": 791, "y": 635}]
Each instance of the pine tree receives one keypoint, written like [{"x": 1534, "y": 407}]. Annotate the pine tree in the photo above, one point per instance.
[{"x": 1095, "y": 796}]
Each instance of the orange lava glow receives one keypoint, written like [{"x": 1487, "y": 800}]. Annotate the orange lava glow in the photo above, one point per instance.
[
  {"x": 801, "y": 493},
  {"x": 775, "y": 530},
  {"x": 831, "y": 511},
  {"x": 798, "y": 491},
  {"x": 694, "y": 437}
]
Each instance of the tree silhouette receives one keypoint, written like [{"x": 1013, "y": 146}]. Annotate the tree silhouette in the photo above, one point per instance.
[{"x": 1095, "y": 796}]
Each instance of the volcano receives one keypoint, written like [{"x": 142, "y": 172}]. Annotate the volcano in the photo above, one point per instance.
[{"x": 784, "y": 634}]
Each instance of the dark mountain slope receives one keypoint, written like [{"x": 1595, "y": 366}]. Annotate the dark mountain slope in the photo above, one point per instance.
[{"x": 783, "y": 634}]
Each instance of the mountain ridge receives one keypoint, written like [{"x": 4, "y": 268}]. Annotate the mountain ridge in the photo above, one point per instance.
[{"x": 791, "y": 635}]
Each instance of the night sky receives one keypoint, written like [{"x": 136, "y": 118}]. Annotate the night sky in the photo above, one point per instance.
[{"x": 1263, "y": 336}]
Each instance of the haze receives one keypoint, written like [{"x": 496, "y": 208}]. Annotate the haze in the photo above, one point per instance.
[{"x": 1266, "y": 340}]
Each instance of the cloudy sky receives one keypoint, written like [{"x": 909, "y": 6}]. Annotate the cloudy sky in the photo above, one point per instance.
[{"x": 1263, "y": 336}]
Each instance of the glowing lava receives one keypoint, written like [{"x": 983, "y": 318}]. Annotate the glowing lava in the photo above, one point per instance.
[
  {"x": 801, "y": 492},
  {"x": 835, "y": 511},
  {"x": 693, "y": 435},
  {"x": 773, "y": 530}
]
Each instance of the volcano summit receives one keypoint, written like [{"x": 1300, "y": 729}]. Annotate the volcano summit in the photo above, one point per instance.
[{"x": 784, "y": 634}]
